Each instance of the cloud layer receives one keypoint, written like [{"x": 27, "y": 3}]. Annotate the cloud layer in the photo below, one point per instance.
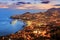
[{"x": 30, "y": 6}]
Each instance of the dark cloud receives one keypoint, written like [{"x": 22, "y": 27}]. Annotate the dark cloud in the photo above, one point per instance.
[
  {"x": 45, "y": 1},
  {"x": 18, "y": 3},
  {"x": 57, "y": 5}
]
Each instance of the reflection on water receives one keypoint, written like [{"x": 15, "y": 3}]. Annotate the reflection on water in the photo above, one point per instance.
[{"x": 14, "y": 22}]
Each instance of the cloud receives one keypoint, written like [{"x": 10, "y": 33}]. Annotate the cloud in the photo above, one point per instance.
[
  {"x": 35, "y": 6},
  {"x": 31, "y": 6},
  {"x": 4, "y": 6},
  {"x": 57, "y": 5}
]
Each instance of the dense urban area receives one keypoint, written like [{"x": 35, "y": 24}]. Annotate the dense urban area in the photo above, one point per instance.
[{"x": 39, "y": 26}]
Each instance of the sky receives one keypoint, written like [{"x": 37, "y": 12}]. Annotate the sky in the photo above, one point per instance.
[
  {"x": 51, "y": 1},
  {"x": 38, "y": 4}
]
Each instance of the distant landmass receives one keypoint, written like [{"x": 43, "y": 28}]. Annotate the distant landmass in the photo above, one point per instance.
[{"x": 49, "y": 11}]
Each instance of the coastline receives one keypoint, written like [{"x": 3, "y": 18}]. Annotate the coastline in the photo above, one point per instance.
[
  {"x": 39, "y": 25},
  {"x": 44, "y": 26}
]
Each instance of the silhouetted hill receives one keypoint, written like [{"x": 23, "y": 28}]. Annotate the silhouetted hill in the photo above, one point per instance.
[{"x": 53, "y": 10}]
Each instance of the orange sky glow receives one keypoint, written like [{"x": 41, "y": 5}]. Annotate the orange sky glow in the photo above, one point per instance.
[{"x": 32, "y": 6}]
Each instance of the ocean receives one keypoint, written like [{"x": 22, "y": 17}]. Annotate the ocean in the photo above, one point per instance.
[{"x": 6, "y": 28}]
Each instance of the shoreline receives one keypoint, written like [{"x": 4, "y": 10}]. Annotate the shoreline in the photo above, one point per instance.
[{"x": 40, "y": 25}]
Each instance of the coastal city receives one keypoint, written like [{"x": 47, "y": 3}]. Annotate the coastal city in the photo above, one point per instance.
[
  {"x": 29, "y": 19},
  {"x": 39, "y": 26}
]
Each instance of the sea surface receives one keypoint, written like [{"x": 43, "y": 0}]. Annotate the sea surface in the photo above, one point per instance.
[{"x": 7, "y": 26}]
